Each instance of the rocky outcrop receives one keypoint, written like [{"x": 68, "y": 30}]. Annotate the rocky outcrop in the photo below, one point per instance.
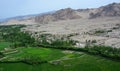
[
  {"x": 109, "y": 11},
  {"x": 63, "y": 14}
]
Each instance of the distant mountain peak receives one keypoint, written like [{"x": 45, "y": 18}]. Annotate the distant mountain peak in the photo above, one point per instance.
[
  {"x": 108, "y": 10},
  {"x": 62, "y": 14}
]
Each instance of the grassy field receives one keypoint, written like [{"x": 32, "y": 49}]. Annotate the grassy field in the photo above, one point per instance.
[
  {"x": 45, "y": 54},
  {"x": 4, "y": 45},
  {"x": 67, "y": 61}
]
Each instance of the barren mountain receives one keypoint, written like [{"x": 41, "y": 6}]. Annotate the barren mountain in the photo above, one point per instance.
[
  {"x": 70, "y": 14},
  {"x": 108, "y": 10},
  {"x": 63, "y": 14}
]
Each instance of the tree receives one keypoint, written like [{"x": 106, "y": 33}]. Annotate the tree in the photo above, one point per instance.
[{"x": 1, "y": 54}]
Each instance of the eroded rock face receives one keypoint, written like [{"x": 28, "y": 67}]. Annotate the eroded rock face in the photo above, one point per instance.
[
  {"x": 67, "y": 13},
  {"x": 44, "y": 19},
  {"x": 62, "y": 14},
  {"x": 109, "y": 10}
]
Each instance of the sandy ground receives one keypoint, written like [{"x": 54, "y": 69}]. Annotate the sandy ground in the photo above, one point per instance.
[{"x": 83, "y": 27}]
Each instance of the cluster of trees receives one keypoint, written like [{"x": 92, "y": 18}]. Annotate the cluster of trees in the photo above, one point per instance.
[
  {"x": 66, "y": 43},
  {"x": 50, "y": 40},
  {"x": 14, "y": 35},
  {"x": 1, "y": 54},
  {"x": 105, "y": 51}
]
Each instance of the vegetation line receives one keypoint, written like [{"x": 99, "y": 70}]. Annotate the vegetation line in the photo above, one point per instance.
[{"x": 103, "y": 51}]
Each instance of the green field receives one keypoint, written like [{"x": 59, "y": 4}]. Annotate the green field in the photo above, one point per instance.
[
  {"x": 4, "y": 45},
  {"x": 43, "y": 53},
  {"x": 58, "y": 60}
]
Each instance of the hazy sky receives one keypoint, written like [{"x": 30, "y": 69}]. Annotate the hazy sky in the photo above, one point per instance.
[{"x": 11, "y": 8}]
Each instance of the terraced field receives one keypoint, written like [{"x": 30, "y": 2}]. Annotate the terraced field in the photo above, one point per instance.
[{"x": 57, "y": 60}]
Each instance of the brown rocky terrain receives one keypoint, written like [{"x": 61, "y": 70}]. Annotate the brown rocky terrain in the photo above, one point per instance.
[
  {"x": 63, "y": 14},
  {"x": 108, "y": 10}
]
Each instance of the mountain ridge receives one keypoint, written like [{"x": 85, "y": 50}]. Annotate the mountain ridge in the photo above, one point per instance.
[{"x": 109, "y": 10}]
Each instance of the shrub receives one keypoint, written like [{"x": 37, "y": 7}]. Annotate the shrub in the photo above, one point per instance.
[
  {"x": 99, "y": 31},
  {"x": 93, "y": 41},
  {"x": 1, "y": 54},
  {"x": 33, "y": 60}
]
